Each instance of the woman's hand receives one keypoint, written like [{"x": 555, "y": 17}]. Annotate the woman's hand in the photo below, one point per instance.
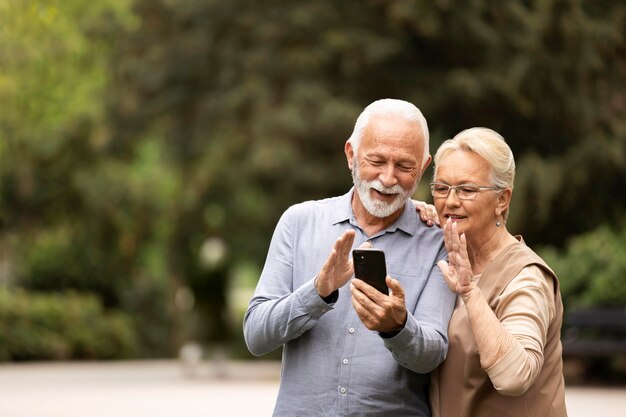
[
  {"x": 427, "y": 212},
  {"x": 458, "y": 270}
]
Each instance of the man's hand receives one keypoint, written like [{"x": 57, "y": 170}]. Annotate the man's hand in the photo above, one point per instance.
[
  {"x": 379, "y": 312},
  {"x": 338, "y": 267},
  {"x": 427, "y": 213},
  {"x": 458, "y": 270}
]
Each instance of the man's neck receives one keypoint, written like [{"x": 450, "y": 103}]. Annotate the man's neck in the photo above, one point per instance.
[{"x": 369, "y": 223}]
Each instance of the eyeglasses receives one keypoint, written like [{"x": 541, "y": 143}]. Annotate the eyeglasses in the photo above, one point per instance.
[{"x": 463, "y": 191}]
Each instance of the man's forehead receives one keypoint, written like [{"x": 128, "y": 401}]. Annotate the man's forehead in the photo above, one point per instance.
[{"x": 393, "y": 132}]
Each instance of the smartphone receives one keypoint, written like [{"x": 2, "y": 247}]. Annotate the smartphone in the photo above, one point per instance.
[{"x": 369, "y": 266}]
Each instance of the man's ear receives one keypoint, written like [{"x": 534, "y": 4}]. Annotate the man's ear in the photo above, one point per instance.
[
  {"x": 425, "y": 165},
  {"x": 349, "y": 150}
]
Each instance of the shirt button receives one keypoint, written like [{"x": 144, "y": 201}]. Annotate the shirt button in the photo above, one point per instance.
[
  {"x": 345, "y": 361},
  {"x": 342, "y": 390},
  {"x": 351, "y": 329}
]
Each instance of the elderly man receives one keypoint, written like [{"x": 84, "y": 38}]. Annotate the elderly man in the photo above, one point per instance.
[{"x": 350, "y": 350}]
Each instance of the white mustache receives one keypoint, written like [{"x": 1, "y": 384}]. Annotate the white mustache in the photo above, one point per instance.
[{"x": 378, "y": 186}]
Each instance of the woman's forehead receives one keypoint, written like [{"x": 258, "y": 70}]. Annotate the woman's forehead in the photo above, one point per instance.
[{"x": 463, "y": 166}]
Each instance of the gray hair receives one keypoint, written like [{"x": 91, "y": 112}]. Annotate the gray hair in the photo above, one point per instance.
[
  {"x": 389, "y": 107},
  {"x": 489, "y": 145}
]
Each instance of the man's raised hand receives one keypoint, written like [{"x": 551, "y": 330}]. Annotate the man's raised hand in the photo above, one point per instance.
[{"x": 338, "y": 268}]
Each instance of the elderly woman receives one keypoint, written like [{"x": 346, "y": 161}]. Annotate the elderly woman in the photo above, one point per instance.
[{"x": 504, "y": 356}]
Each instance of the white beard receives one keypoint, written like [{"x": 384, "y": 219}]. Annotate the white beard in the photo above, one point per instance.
[{"x": 375, "y": 207}]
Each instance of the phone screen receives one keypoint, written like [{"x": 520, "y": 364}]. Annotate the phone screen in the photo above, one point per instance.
[{"x": 369, "y": 266}]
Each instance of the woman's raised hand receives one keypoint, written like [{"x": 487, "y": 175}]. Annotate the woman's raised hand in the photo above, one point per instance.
[{"x": 458, "y": 270}]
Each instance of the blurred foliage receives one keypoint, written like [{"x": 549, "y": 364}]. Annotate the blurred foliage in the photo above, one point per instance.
[
  {"x": 62, "y": 326},
  {"x": 592, "y": 273},
  {"x": 71, "y": 216},
  {"x": 592, "y": 268},
  {"x": 135, "y": 132}
]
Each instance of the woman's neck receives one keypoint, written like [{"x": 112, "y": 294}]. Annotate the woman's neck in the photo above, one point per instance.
[{"x": 482, "y": 252}]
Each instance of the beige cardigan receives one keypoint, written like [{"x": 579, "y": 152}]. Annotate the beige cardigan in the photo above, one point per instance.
[{"x": 461, "y": 388}]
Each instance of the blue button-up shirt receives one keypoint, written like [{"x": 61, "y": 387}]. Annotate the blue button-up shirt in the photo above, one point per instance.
[{"x": 332, "y": 364}]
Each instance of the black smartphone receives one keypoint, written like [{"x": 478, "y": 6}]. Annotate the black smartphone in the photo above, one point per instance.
[{"x": 369, "y": 266}]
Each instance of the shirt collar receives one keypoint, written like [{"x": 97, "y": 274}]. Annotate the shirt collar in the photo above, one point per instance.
[
  {"x": 407, "y": 222},
  {"x": 342, "y": 211}
]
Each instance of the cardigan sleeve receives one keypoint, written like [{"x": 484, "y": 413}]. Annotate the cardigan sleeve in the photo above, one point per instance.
[{"x": 525, "y": 308}]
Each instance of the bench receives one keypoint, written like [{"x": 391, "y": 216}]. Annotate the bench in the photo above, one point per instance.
[{"x": 594, "y": 333}]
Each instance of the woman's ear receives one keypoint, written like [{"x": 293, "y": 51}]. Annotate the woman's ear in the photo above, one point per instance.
[{"x": 504, "y": 199}]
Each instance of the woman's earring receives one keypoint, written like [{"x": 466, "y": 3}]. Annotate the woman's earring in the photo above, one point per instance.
[{"x": 497, "y": 223}]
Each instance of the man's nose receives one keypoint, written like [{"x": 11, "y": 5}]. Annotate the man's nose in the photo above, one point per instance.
[{"x": 388, "y": 176}]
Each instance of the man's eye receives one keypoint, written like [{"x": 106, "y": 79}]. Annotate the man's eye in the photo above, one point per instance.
[
  {"x": 376, "y": 163},
  {"x": 441, "y": 188}
]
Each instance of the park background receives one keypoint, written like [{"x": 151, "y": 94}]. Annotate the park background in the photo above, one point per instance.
[{"x": 148, "y": 148}]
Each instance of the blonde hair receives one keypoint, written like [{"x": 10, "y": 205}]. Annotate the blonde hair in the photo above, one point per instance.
[{"x": 489, "y": 145}]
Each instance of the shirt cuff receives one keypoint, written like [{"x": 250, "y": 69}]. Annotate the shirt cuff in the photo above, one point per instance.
[
  {"x": 403, "y": 337},
  {"x": 313, "y": 302}
]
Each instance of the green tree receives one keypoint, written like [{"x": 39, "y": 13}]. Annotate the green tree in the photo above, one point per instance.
[{"x": 73, "y": 217}]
